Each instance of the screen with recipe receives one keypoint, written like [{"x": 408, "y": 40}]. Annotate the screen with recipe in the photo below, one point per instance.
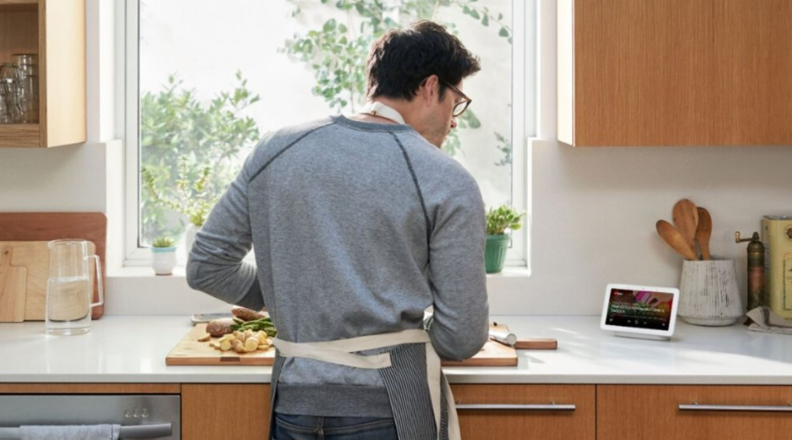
[{"x": 639, "y": 309}]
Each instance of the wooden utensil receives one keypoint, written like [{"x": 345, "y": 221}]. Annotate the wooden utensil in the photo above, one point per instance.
[
  {"x": 12, "y": 288},
  {"x": 675, "y": 239},
  {"x": 536, "y": 344},
  {"x": 703, "y": 232},
  {"x": 686, "y": 220}
]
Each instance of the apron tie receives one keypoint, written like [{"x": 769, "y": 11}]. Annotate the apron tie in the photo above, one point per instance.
[{"x": 342, "y": 352}]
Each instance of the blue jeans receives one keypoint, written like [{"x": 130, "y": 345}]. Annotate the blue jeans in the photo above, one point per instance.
[{"x": 291, "y": 427}]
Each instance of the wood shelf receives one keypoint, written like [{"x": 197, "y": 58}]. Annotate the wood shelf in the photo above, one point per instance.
[
  {"x": 55, "y": 31},
  {"x": 18, "y": 2},
  {"x": 20, "y": 135}
]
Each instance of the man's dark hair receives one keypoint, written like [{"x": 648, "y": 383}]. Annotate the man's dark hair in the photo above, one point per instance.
[{"x": 401, "y": 60}]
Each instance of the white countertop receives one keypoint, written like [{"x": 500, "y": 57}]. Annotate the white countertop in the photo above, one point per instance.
[{"x": 124, "y": 349}]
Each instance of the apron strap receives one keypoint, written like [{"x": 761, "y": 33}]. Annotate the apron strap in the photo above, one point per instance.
[{"x": 342, "y": 352}]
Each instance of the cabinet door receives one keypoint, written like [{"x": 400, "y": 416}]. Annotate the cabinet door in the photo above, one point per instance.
[
  {"x": 674, "y": 72},
  {"x": 520, "y": 412},
  {"x": 218, "y": 411},
  {"x": 629, "y": 412}
]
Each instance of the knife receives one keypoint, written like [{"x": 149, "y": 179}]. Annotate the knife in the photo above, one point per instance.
[{"x": 502, "y": 335}]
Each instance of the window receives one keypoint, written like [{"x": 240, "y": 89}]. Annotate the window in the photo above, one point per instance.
[{"x": 207, "y": 78}]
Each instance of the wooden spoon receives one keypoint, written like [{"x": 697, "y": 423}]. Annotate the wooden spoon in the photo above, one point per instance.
[
  {"x": 675, "y": 239},
  {"x": 703, "y": 232},
  {"x": 686, "y": 220}
]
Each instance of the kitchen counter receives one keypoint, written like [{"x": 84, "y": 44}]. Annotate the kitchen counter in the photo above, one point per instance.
[{"x": 124, "y": 349}]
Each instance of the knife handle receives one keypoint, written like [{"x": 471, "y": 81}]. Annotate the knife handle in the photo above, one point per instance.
[
  {"x": 503, "y": 336},
  {"x": 536, "y": 344}
]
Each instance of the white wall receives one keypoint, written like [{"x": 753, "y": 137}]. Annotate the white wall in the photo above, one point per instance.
[{"x": 594, "y": 212}]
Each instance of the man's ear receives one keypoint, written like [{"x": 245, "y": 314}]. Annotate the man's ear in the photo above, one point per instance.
[{"x": 429, "y": 90}]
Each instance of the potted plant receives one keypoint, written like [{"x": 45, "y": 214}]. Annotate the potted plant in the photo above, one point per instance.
[
  {"x": 163, "y": 256},
  {"x": 192, "y": 199},
  {"x": 500, "y": 222}
]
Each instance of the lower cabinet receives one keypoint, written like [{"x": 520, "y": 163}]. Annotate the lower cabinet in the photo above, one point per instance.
[
  {"x": 219, "y": 411},
  {"x": 691, "y": 412},
  {"x": 506, "y": 412}
]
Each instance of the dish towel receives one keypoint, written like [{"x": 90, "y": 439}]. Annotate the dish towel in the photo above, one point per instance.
[
  {"x": 76, "y": 432},
  {"x": 764, "y": 320}
]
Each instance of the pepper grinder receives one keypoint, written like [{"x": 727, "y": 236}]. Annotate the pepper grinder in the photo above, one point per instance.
[{"x": 756, "y": 269}]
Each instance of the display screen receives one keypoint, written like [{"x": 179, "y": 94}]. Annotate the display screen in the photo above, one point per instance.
[{"x": 639, "y": 309}]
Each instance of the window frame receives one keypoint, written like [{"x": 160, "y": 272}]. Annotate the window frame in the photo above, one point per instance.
[{"x": 523, "y": 127}]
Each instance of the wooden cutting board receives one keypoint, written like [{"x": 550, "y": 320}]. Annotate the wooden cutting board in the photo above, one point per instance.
[
  {"x": 12, "y": 287},
  {"x": 45, "y": 226},
  {"x": 191, "y": 352},
  {"x": 35, "y": 257}
]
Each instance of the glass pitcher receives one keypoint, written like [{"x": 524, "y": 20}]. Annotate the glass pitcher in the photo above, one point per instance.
[{"x": 70, "y": 289}]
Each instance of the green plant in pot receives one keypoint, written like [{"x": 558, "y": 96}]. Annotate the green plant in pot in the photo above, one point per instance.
[
  {"x": 500, "y": 221},
  {"x": 163, "y": 255},
  {"x": 191, "y": 197}
]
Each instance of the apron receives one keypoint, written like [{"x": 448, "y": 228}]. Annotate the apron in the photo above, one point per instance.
[{"x": 394, "y": 365}]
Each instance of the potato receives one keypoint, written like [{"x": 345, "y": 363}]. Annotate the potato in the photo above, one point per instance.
[
  {"x": 238, "y": 346},
  {"x": 220, "y": 327},
  {"x": 204, "y": 337},
  {"x": 251, "y": 345},
  {"x": 247, "y": 314}
]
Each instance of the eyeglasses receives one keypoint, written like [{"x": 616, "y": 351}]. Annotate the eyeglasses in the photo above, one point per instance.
[{"x": 460, "y": 106}]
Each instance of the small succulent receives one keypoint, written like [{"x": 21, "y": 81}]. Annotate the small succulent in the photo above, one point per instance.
[
  {"x": 162, "y": 242},
  {"x": 502, "y": 218}
]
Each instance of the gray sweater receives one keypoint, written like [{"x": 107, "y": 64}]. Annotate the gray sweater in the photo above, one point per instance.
[{"x": 358, "y": 228}]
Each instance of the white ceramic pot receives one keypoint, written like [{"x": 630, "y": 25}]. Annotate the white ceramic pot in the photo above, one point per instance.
[
  {"x": 163, "y": 260},
  {"x": 709, "y": 294},
  {"x": 189, "y": 239}
]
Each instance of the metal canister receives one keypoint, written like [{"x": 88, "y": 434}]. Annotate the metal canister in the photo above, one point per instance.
[{"x": 756, "y": 269}]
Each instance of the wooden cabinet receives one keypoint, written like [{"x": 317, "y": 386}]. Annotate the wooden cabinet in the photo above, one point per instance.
[
  {"x": 55, "y": 31},
  {"x": 217, "y": 411},
  {"x": 629, "y": 412},
  {"x": 509, "y": 411},
  {"x": 674, "y": 72}
]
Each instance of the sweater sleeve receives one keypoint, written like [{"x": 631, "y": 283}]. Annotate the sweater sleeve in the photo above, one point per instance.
[
  {"x": 215, "y": 265},
  {"x": 459, "y": 325}
]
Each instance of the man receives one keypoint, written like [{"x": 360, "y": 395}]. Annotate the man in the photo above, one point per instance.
[{"x": 359, "y": 225}]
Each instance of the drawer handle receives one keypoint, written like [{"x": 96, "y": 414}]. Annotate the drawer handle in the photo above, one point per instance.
[
  {"x": 735, "y": 408},
  {"x": 510, "y": 407}
]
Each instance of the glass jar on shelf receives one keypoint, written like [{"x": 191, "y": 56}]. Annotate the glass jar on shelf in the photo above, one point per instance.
[
  {"x": 27, "y": 88},
  {"x": 8, "y": 94}
]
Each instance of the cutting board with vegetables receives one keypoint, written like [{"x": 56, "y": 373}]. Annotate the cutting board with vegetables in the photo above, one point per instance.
[
  {"x": 190, "y": 351},
  {"x": 45, "y": 226}
]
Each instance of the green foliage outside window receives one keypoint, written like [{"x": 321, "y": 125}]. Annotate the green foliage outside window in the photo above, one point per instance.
[
  {"x": 191, "y": 149},
  {"x": 190, "y": 153},
  {"x": 337, "y": 53}
]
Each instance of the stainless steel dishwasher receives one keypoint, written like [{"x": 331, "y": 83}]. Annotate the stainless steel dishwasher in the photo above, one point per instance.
[{"x": 140, "y": 416}]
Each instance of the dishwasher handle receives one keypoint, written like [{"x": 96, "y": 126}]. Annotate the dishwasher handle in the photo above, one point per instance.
[{"x": 140, "y": 431}]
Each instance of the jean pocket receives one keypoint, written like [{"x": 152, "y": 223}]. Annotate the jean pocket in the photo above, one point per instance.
[{"x": 383, "y": 429}]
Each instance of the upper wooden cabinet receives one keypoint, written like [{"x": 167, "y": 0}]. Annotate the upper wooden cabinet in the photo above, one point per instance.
[
  {"x": 674, "y": 72},
  {"x": 55, "y": 30}
]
